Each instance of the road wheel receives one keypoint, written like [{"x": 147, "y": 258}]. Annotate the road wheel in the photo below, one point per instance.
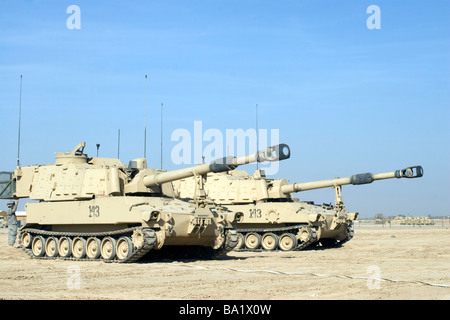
[
  {"x": 240, "y": 241},
  {"x": 79, "y": 248},
  {"x": 252, "y": 240},
  {"x": 25, "y": 239},
  {"x": 51, "y": 247},
  {"x": 65, "y": 247},
  {"x": 108, "y": 248},
  {"x": 124, "y": 248},
  {"x": 93, "y": 248},
  {"x": 287, "y": 242},
  {"x": 269, "y": 241},
  {"x": 38, "y": 246}
]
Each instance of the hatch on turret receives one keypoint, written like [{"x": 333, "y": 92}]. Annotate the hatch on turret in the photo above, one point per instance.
[{"x": 76, "y": 156}]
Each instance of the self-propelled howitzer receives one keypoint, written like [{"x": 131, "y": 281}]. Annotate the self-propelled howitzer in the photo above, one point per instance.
[
  {"x": 100, "y": 209},
  {"x": 272, "y": 219}
]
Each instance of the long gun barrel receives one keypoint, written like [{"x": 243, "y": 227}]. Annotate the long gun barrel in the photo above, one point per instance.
[
  {"x": 274, "y": 153},
  {"x": 357, "y": 179}
]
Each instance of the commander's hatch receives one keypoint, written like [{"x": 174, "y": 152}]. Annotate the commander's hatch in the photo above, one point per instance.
[{"x": 259, "y": 174}]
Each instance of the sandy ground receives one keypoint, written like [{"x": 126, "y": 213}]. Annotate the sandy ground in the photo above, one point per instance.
[{"x": 378, "y": 263}]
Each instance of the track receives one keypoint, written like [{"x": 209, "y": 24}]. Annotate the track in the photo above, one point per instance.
[
  {"x": 43, "y": 244},
  {"x": 122, "y": 246},
  {"x": 291, "y": 238}
]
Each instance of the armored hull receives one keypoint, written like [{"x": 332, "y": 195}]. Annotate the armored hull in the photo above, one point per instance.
[{"x": 52, "y": 228}]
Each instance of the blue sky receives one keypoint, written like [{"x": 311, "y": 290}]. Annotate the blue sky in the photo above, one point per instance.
[{"x": 345, "y": 98}]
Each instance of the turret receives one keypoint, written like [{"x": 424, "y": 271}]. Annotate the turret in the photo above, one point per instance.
[{"x": 239, "y": 187}]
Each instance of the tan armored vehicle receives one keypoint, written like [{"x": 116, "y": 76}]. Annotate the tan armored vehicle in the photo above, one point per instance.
[
  {"x": 272, "y": 219},
  {"x": 100, "y": 209},
  {"x": 417, "y": 221}
]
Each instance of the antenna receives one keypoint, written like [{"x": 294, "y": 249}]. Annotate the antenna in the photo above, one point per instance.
[
  {"x": 257, "y": 163},
  {"x": 145, "y": 127},
  {"x": 161, "y": 134},
  {"x": 118, "y": 145},
  {"x": 20, "y": 115}
]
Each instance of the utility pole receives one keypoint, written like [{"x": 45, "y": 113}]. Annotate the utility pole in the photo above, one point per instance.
[
  {"x": 118, "y": 145},
  {"x": 145, "y": 126},
  {"x": 162, "y": 135},
  {"x": 257, "y": 163},
  {"x": 20, "y": 116}
]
